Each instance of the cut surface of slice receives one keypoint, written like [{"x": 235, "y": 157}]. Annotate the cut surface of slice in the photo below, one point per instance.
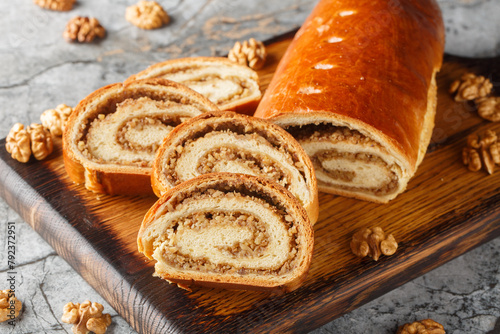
[
  {"x": 230, "y": 142},
  {"x": 229, "y": 85},
  {"x": 231, "y": 231},
  {"x": 112, "y": 136}
]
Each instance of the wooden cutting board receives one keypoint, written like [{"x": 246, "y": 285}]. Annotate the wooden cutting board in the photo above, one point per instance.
[{"x": 445, "y": 212}]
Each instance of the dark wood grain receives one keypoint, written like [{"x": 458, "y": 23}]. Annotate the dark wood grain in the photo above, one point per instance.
[{"x": 445, "y": 212}]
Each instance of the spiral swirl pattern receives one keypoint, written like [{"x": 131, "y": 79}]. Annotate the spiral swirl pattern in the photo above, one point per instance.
[
  {"x": 229, "y": 142},
  {"x": 229, "y": 228}
]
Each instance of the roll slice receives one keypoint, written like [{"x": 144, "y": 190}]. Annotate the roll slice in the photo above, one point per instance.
[
  {"x": 229, "y": 85},
  {"x": 230, "y": 231},
  {"x": 230, "y": 142},
  {"x": 111, "y": 137},
  {"x": 357, "y": 89}
]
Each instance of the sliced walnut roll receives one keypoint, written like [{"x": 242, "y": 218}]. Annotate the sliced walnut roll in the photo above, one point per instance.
[
  {"x": 229, "y": 85},
  {"x": 230, "y": 142},
  {"x": 111, "y": 137},
  {"x": 356, "y": 87},
  {"x": 231, "y": 231}
]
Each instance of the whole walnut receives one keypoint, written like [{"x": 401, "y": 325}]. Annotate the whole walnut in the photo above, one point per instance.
[{"x": 18, "y": 143}]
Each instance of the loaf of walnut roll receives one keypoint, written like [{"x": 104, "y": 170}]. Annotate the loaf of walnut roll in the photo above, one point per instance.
[
  {"x": 229, "y": 85},
  {"x": 229, "y": 230},
  {"x": 111, "y": 137},
  {"x": 357, "y": 89},
  {"x": 224, "y": 141}
]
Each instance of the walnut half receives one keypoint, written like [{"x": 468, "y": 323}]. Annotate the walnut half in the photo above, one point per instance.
[
  {"x": 55, "y": 119},
  {"x": 83, "y": 29},
  {"x": 489, "y": 108},
  {"x": 426, "y": 326},
  {"x": 251, "y": 53},
  {"x": 373, "y": 242},
  {"x": 41, "y": 141},
  {"x": 59, "y": 5},
  {"x": 484, "y": 151},
  {"x": 470, "y": 87},
  {"x": 86, "y": 317},
  {"x": 18, "y": 143},
  {"x": 10, "y": 306},
  {"x": 147, "y": 15}
]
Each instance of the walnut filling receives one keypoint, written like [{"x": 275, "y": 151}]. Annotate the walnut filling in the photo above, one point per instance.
[
  {"x": 132, "y": 134},
  {"x": 389, "y": 185},
  {"x": 254, "y": 164},
  {"x": 219, "y": 85},
  {"x": 235, "y": 152},
  {"x": 254, "y": 245},
  {"x": 237, "y": 239},
  {"x": 230, "y": 146},
  {"x": 346, "y": 159}
]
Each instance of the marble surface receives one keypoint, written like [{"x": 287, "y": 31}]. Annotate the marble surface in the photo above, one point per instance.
[{"x": 39, "y": 70}]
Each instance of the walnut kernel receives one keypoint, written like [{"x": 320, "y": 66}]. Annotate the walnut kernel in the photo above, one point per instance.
[
  {"x": 86, "y": 317},
  {"x": 426, "y": 326},
  {"x": 18, "y": 143},
  {"x": 470, "y": 87},
  {"x": 83, "y": 29},
  {"x": 55, "y": 119},
  {"x": 59, "y": 5},
  {"x": 41, "y": 141},
  {"x": 251, "y": 53},
  {"x": 470, "y": 153},
  {"x": 10, "y": 306},
  {"x": 482, "y": 152},
  {"x": 147, "y": 15},
  {"x": 489, "y": 108},
  {"x": 373, "y": 242}
]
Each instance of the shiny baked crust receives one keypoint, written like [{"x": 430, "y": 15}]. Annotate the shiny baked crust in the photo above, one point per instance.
[
  {"x": 366, "y": 68},
  {"x": 225, "y": 141},
  {"x": 111, "y": 137},
  {"x": 231, "y": 231},
  {"x": 229, "y": 85}
]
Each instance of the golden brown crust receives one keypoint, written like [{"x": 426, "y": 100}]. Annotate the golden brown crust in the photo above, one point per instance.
[
  {"x": 361, "y": 61},
  {"x": 259, "y": 187},
  {"x": 113, "y": 178},
  {"x": 248, "y": 125},
  {"x": 169, "y": 67}
]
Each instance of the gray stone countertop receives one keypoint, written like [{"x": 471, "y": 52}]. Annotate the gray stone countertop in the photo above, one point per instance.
[{"x": 39, "y": 70}]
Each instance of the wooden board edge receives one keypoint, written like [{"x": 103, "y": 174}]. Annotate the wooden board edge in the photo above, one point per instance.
[{"x": 34, "y": 209}]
